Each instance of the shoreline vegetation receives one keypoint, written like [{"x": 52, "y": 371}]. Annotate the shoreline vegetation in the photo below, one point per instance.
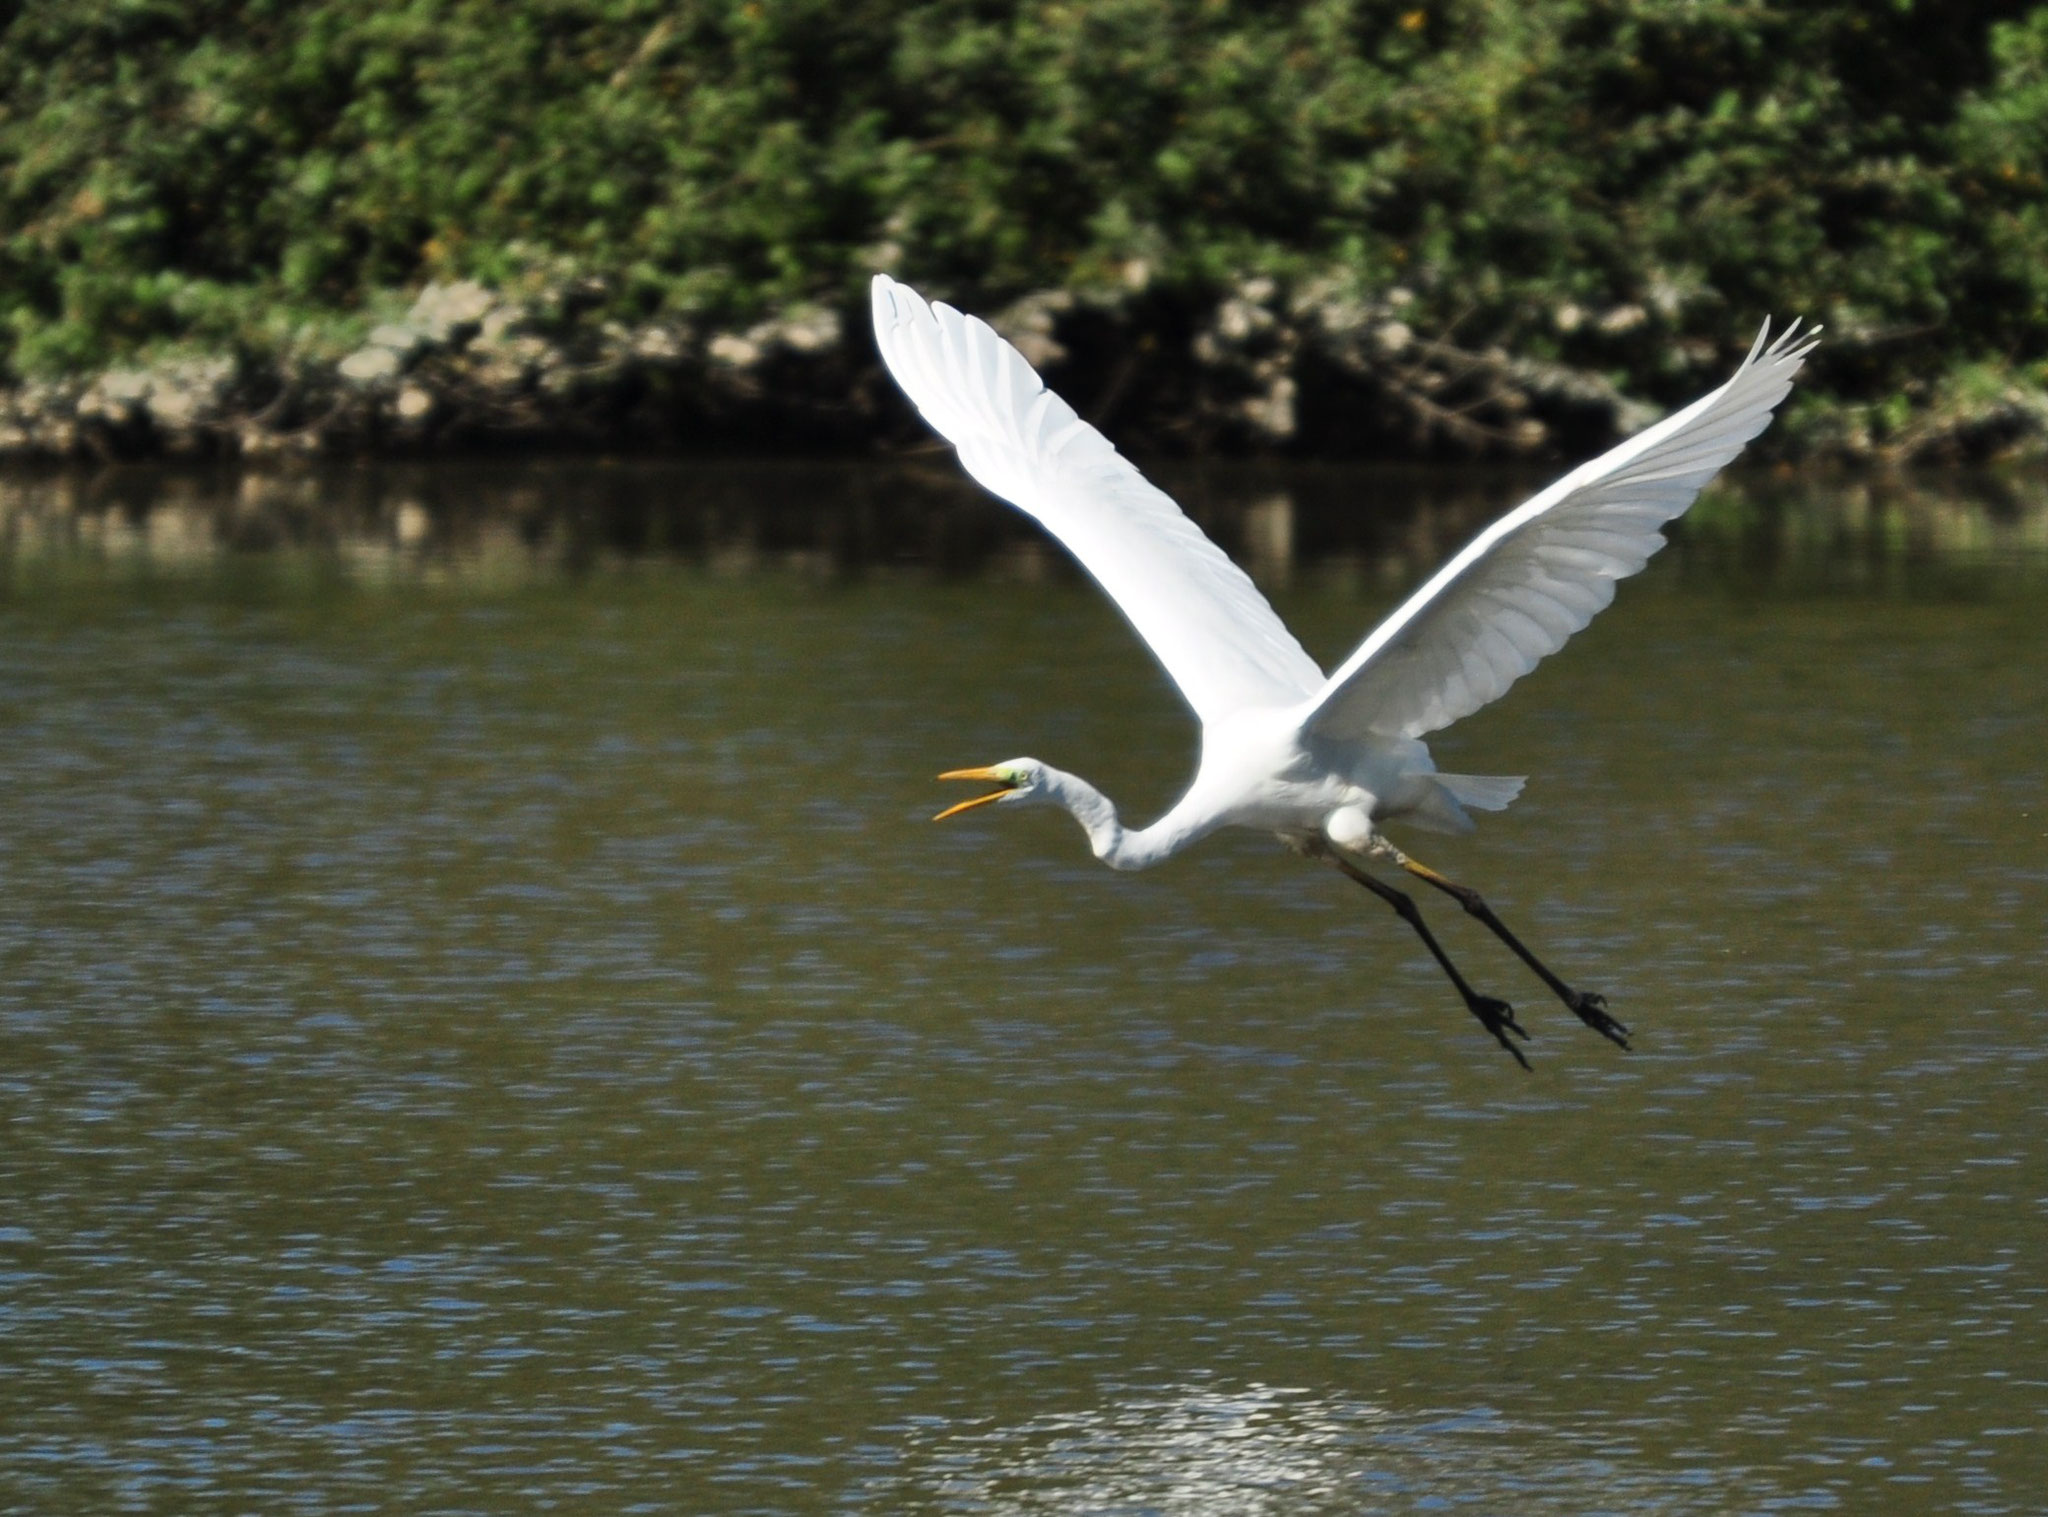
[{"x": 1461, "y": 229}]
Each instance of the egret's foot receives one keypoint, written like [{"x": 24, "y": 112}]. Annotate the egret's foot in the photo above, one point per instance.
[
  {"x": 1592, "y": 1010},
  {"x": 1498, "y": 1018}
]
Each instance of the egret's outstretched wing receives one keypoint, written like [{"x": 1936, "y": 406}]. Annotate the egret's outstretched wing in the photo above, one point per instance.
[
  {"x": 1539, "y": 574},
  {"x": 1198, "y": 612}
]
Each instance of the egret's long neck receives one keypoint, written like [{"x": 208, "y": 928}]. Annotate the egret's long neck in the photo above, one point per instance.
[{"x": 1115, "y": 844}]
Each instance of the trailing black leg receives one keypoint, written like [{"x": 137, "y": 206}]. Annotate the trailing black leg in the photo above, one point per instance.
[
  {"x": 1495, "y": 1015},
  {"x": 1590, "y": 1007}
]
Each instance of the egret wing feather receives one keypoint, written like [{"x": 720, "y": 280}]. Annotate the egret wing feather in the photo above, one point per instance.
[
  {"x": 1204, "y": 620},
  {"x": 1540, "y": 573}
]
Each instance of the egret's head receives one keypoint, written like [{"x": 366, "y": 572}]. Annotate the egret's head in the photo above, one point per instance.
[{"x": 1016, "y": 780}]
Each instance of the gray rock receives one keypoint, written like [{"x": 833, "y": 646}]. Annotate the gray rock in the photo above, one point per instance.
[
  {"x": 369, "y": 366},
  {"x": 401, "y": 340},
  {"x": 734, "y": 351},
  {"x": 118, "y": 397},
  {"x": 800, "y": 329},
  {"x": 451, "y": 313},
  {"x": 657, "y": 345},
  {"x": 187, "y": 394}
]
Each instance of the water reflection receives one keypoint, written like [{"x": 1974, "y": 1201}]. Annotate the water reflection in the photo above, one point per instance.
[{"x": 496, "y": 521}]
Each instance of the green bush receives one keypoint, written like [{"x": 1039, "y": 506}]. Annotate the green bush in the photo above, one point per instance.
[{"x": 1627, "y": 184}]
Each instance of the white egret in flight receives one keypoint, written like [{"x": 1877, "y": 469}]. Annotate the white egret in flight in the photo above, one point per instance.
[{"x": 1322, "y": 760}]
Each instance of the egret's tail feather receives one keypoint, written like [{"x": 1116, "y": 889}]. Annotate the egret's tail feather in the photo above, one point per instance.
[{"x": 1483, "y": 792}]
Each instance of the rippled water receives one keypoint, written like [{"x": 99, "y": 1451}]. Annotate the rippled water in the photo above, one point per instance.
[{"x": 487, "y": 1024}]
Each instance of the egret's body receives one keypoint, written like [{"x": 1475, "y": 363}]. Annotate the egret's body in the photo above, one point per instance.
[
  {"x": 1260, "y": 770},
  {"x": 1323, "y": 761}
]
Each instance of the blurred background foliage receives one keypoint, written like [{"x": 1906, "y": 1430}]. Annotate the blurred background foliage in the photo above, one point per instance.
[{"x": 1623, "y": 185}]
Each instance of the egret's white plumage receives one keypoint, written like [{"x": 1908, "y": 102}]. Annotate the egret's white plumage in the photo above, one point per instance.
[
  {"x": 1540, "y": 573},
  {"x": 1320, "y": 760},
  {"x": 1200, "y": 614}
]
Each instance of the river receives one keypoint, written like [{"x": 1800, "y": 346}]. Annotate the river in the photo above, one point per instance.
[{"x": 489, "y": 1025}]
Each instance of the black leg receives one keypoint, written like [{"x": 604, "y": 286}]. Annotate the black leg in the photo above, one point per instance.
[
  {"x": 1590, "y": 1007},
  {"x": 1495, "y": 1015}
]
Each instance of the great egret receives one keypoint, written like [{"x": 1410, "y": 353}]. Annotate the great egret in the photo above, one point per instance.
[{"x": 1321, "y": 761}]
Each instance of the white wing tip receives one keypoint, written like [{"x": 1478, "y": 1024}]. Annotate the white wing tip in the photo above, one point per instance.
[
  {"x": 1789, "y": 347},
  {"x": 894, "y": 303}
]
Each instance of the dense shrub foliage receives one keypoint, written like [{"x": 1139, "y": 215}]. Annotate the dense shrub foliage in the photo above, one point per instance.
[{"x": 1624, "y": 185}]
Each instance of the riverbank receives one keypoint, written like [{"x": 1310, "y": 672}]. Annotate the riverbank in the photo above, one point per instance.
[
  {"x": 1457, "y": 229},
  {"x": 460, "y": 367}
]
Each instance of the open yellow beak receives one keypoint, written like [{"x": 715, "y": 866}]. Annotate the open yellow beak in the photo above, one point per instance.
[{"x": 987, "y": 776}]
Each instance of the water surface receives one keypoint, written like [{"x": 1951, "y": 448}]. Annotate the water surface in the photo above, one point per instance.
[{"x": 487, "y": 1024}]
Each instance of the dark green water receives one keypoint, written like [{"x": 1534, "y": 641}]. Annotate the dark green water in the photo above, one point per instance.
[{"x": 487, "y": 1025}]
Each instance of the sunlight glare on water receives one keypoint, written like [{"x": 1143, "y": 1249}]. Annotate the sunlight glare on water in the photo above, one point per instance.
[{"x": 1268, "y": 1451}]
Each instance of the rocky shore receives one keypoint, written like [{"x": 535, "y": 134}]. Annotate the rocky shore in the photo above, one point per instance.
[{"x": 1310, "y": 372}]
